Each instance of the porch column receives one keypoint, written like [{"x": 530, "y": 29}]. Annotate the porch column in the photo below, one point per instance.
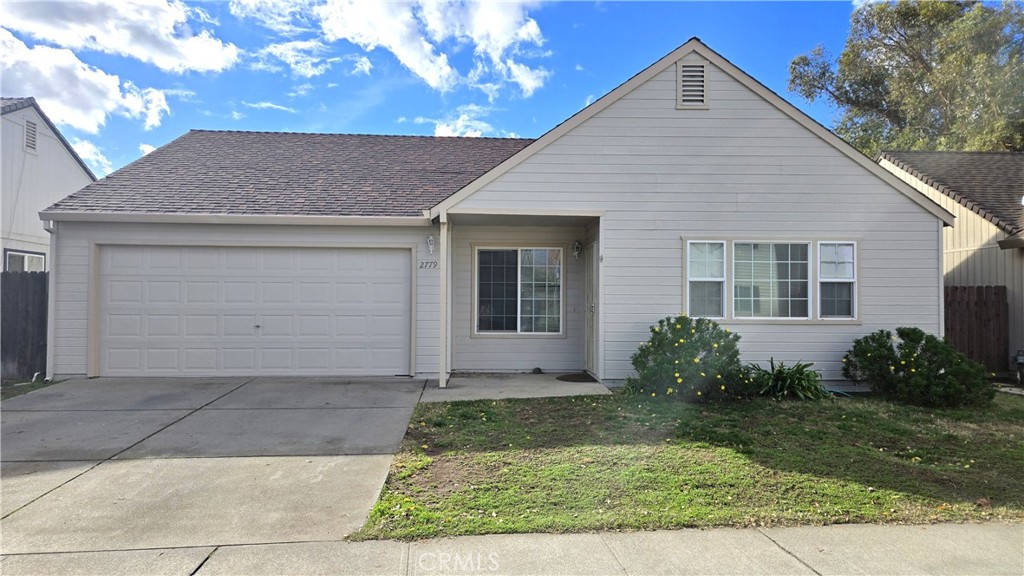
[{"x": 442, "y": 320}]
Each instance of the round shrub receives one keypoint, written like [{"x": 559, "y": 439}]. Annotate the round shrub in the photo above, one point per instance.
[
  {"x": 917, "y": 368},
  {"x": 690, "y": 358}
]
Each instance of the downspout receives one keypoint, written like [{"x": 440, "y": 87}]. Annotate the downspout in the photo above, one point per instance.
[
  {"x": 51, "y": 298},
  {"x": 942, "y": 282},
  {"x": 442, "y": 316}
]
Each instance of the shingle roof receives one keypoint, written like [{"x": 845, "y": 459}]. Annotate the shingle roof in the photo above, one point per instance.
[
  {"x": 989, "y": 183},
  {"x": 11, "y": 104},
  {"x": 276, "y": 173}
]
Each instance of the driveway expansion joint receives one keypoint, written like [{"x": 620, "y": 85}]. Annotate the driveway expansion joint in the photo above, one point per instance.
[
  {"x": 618, "y": 561},
  {"x": 784, "y": 549}
]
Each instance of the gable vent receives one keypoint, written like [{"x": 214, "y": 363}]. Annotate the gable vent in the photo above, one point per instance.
[
  {"x": 31, "y": 133},
  {"x": 691, "y": 91}
]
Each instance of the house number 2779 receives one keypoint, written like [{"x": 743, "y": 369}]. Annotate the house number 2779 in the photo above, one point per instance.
[{"x": 432, "y": 264}]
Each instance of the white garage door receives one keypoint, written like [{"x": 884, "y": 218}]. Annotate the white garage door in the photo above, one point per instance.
[{"x": 171, "y": 310}]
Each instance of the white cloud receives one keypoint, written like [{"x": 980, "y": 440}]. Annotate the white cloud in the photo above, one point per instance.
[
  {"x": 467, "y": 121},
  {"x": 181, "y": 94},
  {"x": 72, "y": 92},
  {"x": 155, "y": 31},
  {"x": 146, "y": 148},
  {"x": 93, "y": 156},
  {"x": 301, "y": 90},
  {"x": 236, "y": 115},
  {"x": 390, "y": 25},
  {"x": 268, "y": 106},
  {"x": 286, "y": 17},
  {"x": 579, "y": 68},
  {"x": 590, "y": 100},
  {"x": 361, "y": 65},
  {"x": 302, "y": 56},
  {"x": 418, "y": 34}
]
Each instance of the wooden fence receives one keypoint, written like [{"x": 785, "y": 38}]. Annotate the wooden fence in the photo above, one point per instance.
[
  {"x": 978, "y": 324},
  {"x": 23, "y": 299}
]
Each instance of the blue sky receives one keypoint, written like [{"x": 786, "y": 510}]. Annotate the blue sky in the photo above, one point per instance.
[{"x": 122, "y": 76}]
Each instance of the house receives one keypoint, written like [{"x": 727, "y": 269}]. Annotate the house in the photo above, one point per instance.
[
  {"x": 39, "y": 168},
  {"x": 691, "y": 187},
  {"x": 985, "y": 190}
]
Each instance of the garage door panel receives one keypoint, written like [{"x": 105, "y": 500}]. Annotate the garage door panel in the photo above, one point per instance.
[{"x": 246, "y": 310}]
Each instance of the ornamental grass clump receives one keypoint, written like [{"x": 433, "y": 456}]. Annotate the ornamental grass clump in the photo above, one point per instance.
[
  {"x": 917, "y": 368},
  {"x": 781, "y": 382},
  {"x": 690, "y": 358}
]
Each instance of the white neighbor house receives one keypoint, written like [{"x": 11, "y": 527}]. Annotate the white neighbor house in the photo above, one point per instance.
[
  {"x": 39, "y": 168},
  {"x": 689, "y": 188}
]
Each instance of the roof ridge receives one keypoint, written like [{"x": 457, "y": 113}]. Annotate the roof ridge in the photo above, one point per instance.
[{"x": 360, "y": 134}]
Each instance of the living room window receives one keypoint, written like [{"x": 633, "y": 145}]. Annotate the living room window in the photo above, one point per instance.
[
  {"x": 705, "y": 271},
  {"x": 519, "y": 290},
  {"x": 770, "y": 280}
]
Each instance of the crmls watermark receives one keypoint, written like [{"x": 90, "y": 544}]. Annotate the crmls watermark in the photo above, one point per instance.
[{"x": 446, "y": 562}]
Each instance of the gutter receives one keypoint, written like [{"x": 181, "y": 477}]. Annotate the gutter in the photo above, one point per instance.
[{"x": 265, "y": 219}]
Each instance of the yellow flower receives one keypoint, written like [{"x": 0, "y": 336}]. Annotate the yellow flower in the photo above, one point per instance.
[
  {"x": 844, "y": 360},
  {"x": 723, "y": 386},
  {"x": 903, "y": 361},
  {"x": 681, "y": 341},
  {"x": 678, "y": 326},
  {"x": 679, "y": 380},
  {"x": 653, "y": 394},
  {"x": 696, "y": 360},
  {"x": 656, "y": 329},
  {"x": 726, "y": 330},
  {"x": 677, "y": 374},
  {"x": 715, "y": 345},
  {"x": 698, "y": 392},
  {"x": 703, "y": 374},
  {"x": 669, "y": 391},
  {"x": 677, "y": 361},
  {"x": 693, "y": 331}
]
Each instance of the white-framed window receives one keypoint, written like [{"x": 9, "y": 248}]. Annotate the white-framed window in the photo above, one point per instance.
[
  {"x": 771, "y": 280},
  {"x": 22, "y": 261},
  {"x": 519, "y": 290},
  {"x": 705, "y": 278},
  {"x": 837, "y": 279}
]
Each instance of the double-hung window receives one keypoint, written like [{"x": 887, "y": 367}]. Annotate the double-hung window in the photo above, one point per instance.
[
  {"x": 770, "y": 280},
  {"x": 837, "y": 277},
  {"x": 705, "y": 271},
  {"x": 519, "y": 290},
  {"x": 19, "y": 261}
]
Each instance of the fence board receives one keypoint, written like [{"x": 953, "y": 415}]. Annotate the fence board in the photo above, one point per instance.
[
  {"x": 23, "y": 300},
  {"x": 978, "y": 324}
]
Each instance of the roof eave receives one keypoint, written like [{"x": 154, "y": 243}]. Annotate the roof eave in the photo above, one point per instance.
[
  {"x": 1011, "y": 242},
  {"x": 30, "y": 102},
  {"x": 265, "y": 219}
]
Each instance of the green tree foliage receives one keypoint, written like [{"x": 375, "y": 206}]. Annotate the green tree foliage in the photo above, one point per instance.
[{"x": 924, "y": 75}]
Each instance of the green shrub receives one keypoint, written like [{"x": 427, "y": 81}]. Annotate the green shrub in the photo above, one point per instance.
[
  {"x": 690, "y": 358},
  {"x": 781, "y": 382},
  {"x": 917, "y": 368}
]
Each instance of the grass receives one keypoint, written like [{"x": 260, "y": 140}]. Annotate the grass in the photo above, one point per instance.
[
  {"x": 12, "y": 389},
  {"x": 628, "y": 462}
]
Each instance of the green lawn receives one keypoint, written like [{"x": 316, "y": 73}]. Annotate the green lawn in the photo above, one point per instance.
[
  {"x": 12, "y": 389},
  {"x": 628, "y": 462}
]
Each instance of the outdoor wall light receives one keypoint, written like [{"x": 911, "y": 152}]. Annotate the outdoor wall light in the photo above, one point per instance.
[
  {"x": 577, "y": 247},
  {"x": 430, "y": 244}
]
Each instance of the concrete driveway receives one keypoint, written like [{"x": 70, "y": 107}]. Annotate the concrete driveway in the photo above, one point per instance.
[{"x": 155, "y": 463}]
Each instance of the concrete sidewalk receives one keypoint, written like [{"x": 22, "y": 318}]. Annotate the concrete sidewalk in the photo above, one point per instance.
[{"x": 973, "y": 549}]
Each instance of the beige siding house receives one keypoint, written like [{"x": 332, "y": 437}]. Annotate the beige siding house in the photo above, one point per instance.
[
  {"x": 39, "y": 167},
  {"x": 985, "y": 191},
  {"x": 689, "y": 188}
]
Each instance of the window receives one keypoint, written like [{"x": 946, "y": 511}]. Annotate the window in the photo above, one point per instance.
[
  {"x": 770, "y": 280},
  {"x": 17, "y": 261},
  {"x": 519, "y": 290},
  {"x": 837, "y": 275},
  {"x": 705, "y": 272}
]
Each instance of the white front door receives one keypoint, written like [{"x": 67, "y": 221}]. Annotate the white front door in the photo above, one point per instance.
[
  {"x": 591, "y": 264},
  {"x": 181, "y": 310}
]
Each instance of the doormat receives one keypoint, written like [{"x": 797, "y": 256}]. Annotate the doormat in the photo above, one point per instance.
[{"x": 576, "y": 377}]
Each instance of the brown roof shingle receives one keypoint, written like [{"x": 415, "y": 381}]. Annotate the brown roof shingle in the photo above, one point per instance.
[
  {"x": 278, "y": 173},
  {"x": 989, "y": 183}
]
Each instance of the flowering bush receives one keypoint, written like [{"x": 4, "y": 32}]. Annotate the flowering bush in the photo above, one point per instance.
[
  {"x": 690, "y": 358},
  {"x": 916, "y": 368}
]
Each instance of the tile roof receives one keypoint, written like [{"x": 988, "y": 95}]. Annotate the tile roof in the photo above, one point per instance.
[
  {"x": 989, "y": 183},
  {"x": 10, "y": 104},
  {"x": 277, "y": 173}
]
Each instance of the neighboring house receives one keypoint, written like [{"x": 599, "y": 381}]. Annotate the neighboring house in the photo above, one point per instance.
[
  {"x": 689, "y": 188},
  {"x": 39, "y": 168},
  {"x": 985, "y": 190}
]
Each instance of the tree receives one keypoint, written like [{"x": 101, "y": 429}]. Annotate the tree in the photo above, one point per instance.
[{"x": 924, "y": 75}]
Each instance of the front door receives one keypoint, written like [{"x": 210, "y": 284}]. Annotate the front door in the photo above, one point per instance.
[{"x": 591, "y": 264}]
